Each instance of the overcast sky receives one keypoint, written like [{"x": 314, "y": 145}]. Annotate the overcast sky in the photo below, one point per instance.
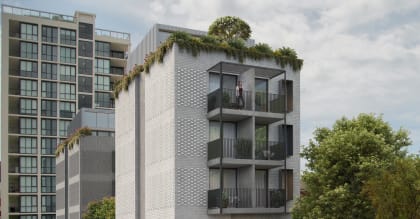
[{"x": 360, "y": 56}]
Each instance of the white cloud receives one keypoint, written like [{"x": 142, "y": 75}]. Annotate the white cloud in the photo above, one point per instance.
[{"x": 360, "y": 56}]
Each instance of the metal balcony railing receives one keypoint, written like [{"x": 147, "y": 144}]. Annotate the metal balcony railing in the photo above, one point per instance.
[
  {"x": 231, "y": 198},
  {"x": 232, "y": 148},
  {"x": 269, "y": 150},
  {"x": 230, "y": 99},
  {"x": 35, "y": 13},
  {"x": 113, "y": 34},
  {"x": 269, "y": 198},
  {"x": 268, "y": 102}
]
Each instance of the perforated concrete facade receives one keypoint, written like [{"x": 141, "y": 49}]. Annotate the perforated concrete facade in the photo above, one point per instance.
[{"x": 176, "y": 135}]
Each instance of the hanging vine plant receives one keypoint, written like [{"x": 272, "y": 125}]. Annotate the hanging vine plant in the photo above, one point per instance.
[
  {"x": 233, "y": 47},
  {"x": 72, "y": 139}
]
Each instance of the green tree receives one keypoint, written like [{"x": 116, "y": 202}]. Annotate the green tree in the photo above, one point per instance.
[
  {"x": 102, "y": 209},
  {"x": 395, "y": 192},
  {"x": 340, "y": 160},
  {"x": 228, "y": 28}
]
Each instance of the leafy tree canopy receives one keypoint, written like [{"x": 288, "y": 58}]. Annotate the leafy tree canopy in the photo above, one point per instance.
[
  {"x": 102, "y": 209},
  {"x": 229, "y": 27},
  {"x": 395, "y": 192},
  {"x": 340, "y": 160}
]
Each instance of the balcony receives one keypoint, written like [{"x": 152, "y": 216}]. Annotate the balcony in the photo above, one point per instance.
[
  {"x": 35, "y": 13},
  {"x": 234, "y": 150},
  {"x": 269, "y": 150},
  {"x": 112, "y": 34},
  {"x": 117, "y": 54},
  {"x": 117, "y": 70},
  {"x": 239, "y": 201}
]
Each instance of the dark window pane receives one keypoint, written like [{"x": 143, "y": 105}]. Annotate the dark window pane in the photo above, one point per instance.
[
  {"x": 85, "y": 31},
  {"x": 85, "y": 101},
  {"x": 85, "y": 84},
  {"x": 85, "y": 66},
  {"x": 85, "y": 48}
]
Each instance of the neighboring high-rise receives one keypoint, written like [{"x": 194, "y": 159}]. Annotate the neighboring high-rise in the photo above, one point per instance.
[
  {"x": 52, "y": 65},
  {"x": 207, "y": 136}
]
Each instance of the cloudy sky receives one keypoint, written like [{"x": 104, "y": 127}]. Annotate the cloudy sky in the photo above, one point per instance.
[{"x": 360, "y": 56}]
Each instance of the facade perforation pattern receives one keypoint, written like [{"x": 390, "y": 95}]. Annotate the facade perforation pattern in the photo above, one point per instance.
[
  {"x": 191, "y": 88},
  {"x": 191, "y": 145},
  {"x": 190, "y": 184}
]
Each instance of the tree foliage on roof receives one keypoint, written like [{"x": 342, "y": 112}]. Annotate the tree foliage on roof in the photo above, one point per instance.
[{"x": 230, "y": 27}]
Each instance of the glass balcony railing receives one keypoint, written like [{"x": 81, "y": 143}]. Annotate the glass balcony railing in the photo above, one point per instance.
[
  {"x": 232, "y": 148},
  {"x": 267, "y": 102},
  {"x": 113, "y": 34},
  {"x": 34, "y": 13}
]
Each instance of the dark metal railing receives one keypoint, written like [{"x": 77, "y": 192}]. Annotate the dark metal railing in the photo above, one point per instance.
[
  {"x": 231, "y": 198},
  {"x": 269, "y": 198},
  {"x": 117, "y": 54},
  {"x": 268, "y": 102},
  {"x": 232, "y": 148},
  {"x": 230, "y": 99},
  {"x": 269, "y": 150}
]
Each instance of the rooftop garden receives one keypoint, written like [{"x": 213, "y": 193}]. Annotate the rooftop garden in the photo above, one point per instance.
[{"x": 226, "y": 34}]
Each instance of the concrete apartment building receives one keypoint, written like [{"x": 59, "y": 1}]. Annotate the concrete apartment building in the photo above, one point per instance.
[
  {"x": 185, "y": 148},
  {"x": 86, "y": 172},
  {"x": 52, "y": 65}
]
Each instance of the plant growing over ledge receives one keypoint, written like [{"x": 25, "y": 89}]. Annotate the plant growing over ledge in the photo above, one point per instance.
[
  {"x": 73, "y": 139},
  {"x": 231, "y": 42}
]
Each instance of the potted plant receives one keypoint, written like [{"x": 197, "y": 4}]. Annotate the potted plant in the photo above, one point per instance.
[{"x": 225, "y": 199}]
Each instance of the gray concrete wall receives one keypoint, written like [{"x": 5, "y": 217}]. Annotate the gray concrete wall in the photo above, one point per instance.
[
  {"x": 96, "y": 175},
  {"x": 125, "y": 154}
]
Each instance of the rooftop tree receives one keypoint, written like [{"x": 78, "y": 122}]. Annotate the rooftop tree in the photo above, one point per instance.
[{"x": 229, "y": 28}]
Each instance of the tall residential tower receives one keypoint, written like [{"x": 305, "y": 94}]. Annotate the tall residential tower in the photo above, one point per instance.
[{"x": 52, "y": 65}]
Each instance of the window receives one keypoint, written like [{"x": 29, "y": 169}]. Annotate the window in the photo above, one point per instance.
[
  {"x": 48, "y": 184},
  {"x": 48, "y": 127},
  {"x": 63, "y": 128},
  {"x": 67, "y": 73},
  {"x": 289, "y": 89},
  {"x": 67, "y": 109},
  {"x": 48, "y": 108},
  {"x": 117, "y": 70},
  {"x": 27, "y": 126},
  {"x": 28, "y": 107},
  {"x": 49, "y": 89},
  {"x": 85, "y": 48},
  {"x": 29, "y": 31},
  {"x": 229, "y": 130},
  {"x": 28, "y": 184},
  {"x": 68, "y": 55},
  {"x": 48, "y": 165},
  {"x": 67, "y": 37},
  {"x": 85, "y": 31},
  {"x": 102, "y": 66},
  {"x": 48, "y": 203},
  {"x": 28, "y": 88},
  {"x": 49, "y": 34},
  {"x": 28, "y": 204},
  {"x": 85, "y": 84},
  {"x": 49, "y": 53},
  {"x": 102, "y": 83},
  {"x": 48, "y": 217},
  {"x": 85, "y": 66},
  {"x": 85, "y": 101},
  {"x": 286, "y": 179},
  {"x": 48, "y": 146},
  {"x": 103, "y": 100},
  {"x": 229, "y": 82},
  {"x": 28, "y": 164},
  {"x": 68, "y": 91},
  {"x": 28, "y": 69},
  {"x": 27, "y": 145},
  {"x": 28, "y": 50},
  {"x": 49, "y": 71},
  {"x": 102, "y": 49}
]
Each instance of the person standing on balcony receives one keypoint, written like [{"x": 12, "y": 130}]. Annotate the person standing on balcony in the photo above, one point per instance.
[{"x": 239, "y": 97}]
